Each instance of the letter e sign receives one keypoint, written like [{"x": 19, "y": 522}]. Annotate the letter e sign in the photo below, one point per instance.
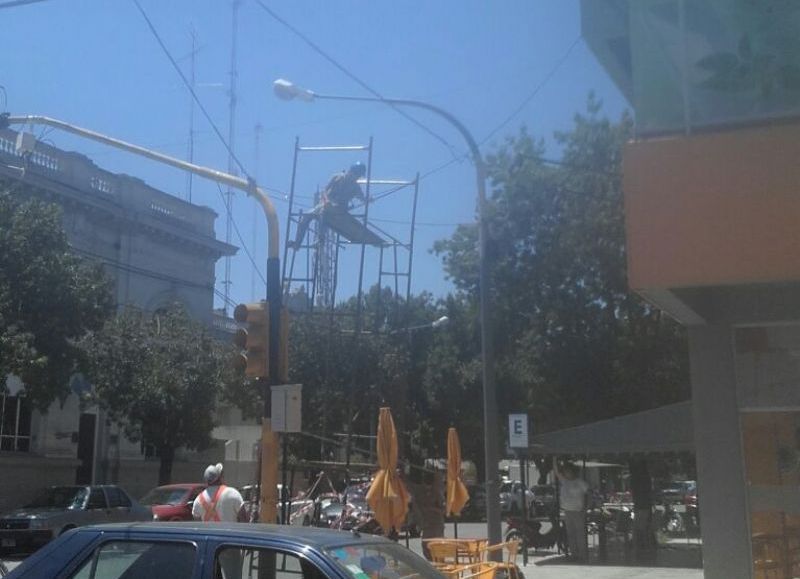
[{"x": 518, "y": 430}]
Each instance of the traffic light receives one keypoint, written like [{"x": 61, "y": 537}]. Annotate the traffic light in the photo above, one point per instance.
[{"x": 254, "y": 340}]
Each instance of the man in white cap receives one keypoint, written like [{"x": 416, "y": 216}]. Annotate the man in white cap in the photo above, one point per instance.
[{"x": 218, "y": 502}]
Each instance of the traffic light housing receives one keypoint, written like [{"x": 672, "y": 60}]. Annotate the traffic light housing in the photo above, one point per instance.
[{"x": 253, "y": 340}]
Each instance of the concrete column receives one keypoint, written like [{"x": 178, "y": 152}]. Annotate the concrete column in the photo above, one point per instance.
[{"x": 720, "y": 467}]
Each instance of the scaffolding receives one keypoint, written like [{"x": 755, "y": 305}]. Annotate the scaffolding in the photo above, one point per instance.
[{"x": 311, "y": 270}]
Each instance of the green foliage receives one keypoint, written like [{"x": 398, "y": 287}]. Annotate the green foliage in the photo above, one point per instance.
[
  {"x": 159, "y": 375},
  {"x": 49, "y": 298},
  {"x": 573, "y": 344}
]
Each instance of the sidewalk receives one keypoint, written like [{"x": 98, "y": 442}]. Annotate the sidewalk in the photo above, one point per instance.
[{"x": 675, "y": 561}]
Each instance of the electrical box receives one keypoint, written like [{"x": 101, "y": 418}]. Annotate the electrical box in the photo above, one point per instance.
[{"x": 287, "y": 408}]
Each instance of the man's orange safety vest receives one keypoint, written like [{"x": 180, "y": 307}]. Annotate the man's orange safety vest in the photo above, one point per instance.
[{"x": 210, "y": 513}]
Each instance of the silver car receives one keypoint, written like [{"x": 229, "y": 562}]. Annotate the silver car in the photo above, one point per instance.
[{"x": 58, "y": 509}]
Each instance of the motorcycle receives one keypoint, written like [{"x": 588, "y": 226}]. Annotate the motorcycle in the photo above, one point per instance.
[{"x": 530, "y": 533}]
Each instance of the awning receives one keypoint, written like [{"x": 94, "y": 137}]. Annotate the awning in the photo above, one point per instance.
[{"x": 663, "y": 429}]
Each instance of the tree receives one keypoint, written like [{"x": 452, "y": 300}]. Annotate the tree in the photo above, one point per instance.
[
  {"x": 160, "y": 376},
  {"x": 49, "y": 298},
  {"x": 573, "y": 343}
]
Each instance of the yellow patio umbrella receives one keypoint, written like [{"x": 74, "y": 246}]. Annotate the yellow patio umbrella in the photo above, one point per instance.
[
  {"x": 387, "y": 494},
  {"x": 457, "y": 494}
]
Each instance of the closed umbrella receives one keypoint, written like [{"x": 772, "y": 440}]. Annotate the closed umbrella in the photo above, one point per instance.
[
  {"x": 387, "y": 494},
  {"x": 457, "y": 495}
]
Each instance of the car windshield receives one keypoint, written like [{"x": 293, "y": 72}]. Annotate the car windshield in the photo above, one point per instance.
[
  {"x": 381, "y": 560},
  {"x": 59, "y": 498},
  {"x": 164, "y": 496}
]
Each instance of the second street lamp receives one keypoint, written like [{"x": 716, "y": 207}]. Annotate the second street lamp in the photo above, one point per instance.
[{"x": 287, "y": 90}]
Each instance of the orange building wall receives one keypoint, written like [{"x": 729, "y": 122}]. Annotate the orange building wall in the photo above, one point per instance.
[{"x": 713, "y": 209}]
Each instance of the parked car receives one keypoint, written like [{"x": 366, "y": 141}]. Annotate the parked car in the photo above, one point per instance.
[
  {"x": 511, "y": 493},
  {"x": 172, "y": 502},
  {"x": 56, "y": 510},
  {"x": 203, "y": 551}
]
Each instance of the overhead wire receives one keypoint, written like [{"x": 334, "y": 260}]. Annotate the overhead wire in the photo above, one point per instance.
[
  {"x": 517, "y": 110},
  {"x": 216, "y": 130},
  {"x": 241, "y": 239},
  {"x": 190, "y": 88},
  {"x": 314, "y": 46},
  {"x": 14, "y": 3}
]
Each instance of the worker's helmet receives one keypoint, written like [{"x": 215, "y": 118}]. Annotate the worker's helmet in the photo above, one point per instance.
[{"x": 358, "y": 169}]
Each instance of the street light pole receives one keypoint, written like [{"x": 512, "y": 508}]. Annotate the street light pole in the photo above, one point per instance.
[
  {"x": 288, "y": 91},
  {"x": 269, "y": 470}
]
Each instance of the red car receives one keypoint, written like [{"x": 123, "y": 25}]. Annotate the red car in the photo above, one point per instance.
[{"x": 172, "y": 502}]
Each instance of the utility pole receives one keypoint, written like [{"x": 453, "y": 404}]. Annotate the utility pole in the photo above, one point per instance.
[{"x": 231, "y": 143}]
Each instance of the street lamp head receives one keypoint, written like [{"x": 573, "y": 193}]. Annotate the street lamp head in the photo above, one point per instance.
[
  {"x": 287, "y": 90},
  {"x": 440, "y": 322}
]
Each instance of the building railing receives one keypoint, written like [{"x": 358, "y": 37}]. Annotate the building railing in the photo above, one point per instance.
[{"x": 80, "y": 172}]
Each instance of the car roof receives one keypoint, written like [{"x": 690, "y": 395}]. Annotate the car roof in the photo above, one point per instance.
[
  {"x": 311, "y": 536},
  {"x": 182, "y": 486}
]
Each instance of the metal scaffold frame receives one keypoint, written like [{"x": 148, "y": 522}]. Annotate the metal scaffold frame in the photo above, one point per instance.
[{"x": 318, "y": 256}]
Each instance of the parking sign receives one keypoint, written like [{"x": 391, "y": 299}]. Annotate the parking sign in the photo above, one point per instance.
[{"x": 518, "y": 430}]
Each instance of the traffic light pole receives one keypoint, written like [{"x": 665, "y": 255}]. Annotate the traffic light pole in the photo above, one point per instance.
[{"x": 277, "y": 365}]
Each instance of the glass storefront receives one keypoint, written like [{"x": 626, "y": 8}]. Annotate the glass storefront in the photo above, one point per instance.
[{"x": 768, "y": 394}]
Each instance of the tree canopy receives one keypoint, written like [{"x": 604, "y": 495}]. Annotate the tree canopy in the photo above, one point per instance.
[
  {"x": 573, "y": 343},
  {"x": 160, "y": 375},
  {"x": 49, "y": 298}
]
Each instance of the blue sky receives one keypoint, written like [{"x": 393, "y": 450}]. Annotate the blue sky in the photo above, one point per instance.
[{"x": 96, "y": 64}]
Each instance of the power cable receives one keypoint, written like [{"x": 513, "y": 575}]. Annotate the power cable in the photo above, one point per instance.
[
  {"x": 14, "y": 3},
  {"x": 191, "y": 90},
  {"x": 241, "y": 239},
  {"x": 140, "y": 270},
  {"x": 528, "y": 98},
  {"x": 550, "y": 74},
  {"x": 353, "y": 77}
]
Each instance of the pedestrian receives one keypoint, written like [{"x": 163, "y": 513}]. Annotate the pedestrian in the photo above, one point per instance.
[
  {"x": 572, "y": 496},
  {"x": 339, "y": 192},
  {"x": 218, "y": 502}
]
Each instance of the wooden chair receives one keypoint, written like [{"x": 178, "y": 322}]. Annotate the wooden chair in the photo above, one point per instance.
[
  {"x": 443, "y": 552},
  {"x": 510, "y": 548},
  {"x": 509, "y": 563},
  {"x": 483, "y": 570},
  {"x": 471, "y": 551}
]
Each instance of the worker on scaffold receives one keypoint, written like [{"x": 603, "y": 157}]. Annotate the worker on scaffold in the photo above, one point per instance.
[{"x": 339, "y": 192}]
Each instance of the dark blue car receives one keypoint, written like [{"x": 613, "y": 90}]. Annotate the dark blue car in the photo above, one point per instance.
[{"x": 221, "y": 551}]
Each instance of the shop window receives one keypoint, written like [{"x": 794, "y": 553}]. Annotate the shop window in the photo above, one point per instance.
[{"x": 768, "y": 371}]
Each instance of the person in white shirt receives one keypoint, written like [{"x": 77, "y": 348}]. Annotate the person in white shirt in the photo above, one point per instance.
[
  {"x": 219, "y": 502},
  {"x": 572, "y": 496}
]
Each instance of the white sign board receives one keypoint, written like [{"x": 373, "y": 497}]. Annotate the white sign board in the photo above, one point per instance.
[
  {"x": 518, "y": 430},
  {"x": 287, "y": 408}
]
